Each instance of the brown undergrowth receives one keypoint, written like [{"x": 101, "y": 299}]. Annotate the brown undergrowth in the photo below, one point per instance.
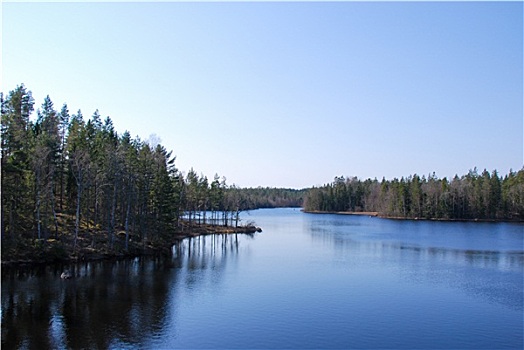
[{"x": 95, "y": 244}]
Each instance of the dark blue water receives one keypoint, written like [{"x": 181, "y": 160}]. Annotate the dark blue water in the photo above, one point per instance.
[{"x": 307, "y": 281}]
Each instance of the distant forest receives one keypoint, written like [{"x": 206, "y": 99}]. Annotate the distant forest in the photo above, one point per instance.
[
  {"x": 63, "y": 174},
  {"x": 484, "y": 195},
  {"x": 270, "y": 197}
]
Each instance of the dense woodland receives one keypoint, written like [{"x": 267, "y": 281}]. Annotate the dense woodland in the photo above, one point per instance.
[
  {"x": 487, "y": 196},
  {"x": 64, "y": 174},
  {"x": 270, "y": 197}
]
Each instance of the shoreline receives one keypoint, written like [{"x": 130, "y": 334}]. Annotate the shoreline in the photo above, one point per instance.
[
  {"x": 378, "y": 215},
  {"x": 46, "y": 255}
]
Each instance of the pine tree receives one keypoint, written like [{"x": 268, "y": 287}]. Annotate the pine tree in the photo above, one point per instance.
[
  {"x": 16, "y": 150},
  {"x": 45, "y": 161},
  {"x": 79, "y": 166}
]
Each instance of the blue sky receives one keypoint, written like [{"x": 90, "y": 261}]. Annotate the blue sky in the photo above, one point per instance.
[{"x": 286, "y": 94}]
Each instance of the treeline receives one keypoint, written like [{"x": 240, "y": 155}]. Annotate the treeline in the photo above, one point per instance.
[
  {"x": 62, "y": 168},
  {"x": 64, "y": 174},
  {"x": 270, "y": 197},
  {"x": 471, "y": 196}
]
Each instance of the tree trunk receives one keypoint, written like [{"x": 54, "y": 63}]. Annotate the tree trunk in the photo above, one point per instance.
[
  {"x": 53, "y": 209},
  {"x": 112, "y": 222},
  {"x": 38, "y": 221},
  {"x": 12, "y": 218},
  {"x": 77, "y": 221},
  {"x": 128, "y": 210}
]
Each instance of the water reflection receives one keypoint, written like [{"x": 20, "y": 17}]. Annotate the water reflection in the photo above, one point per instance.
[
  {"x": 43, "y": 311},
  {"x": 108, "y": 304},
  {"x": 203, "y": 250},
  {"x": 494, "y": 275},
  {"x": 306, "y": 282},
  {"x": 504, "y": 261},
  {"x": 202, "y": 259}
]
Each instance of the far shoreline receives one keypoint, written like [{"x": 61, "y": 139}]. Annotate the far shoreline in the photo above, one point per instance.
[{"x": 381, "y": 216}]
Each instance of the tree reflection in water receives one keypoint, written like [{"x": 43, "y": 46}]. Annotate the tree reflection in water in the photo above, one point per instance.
[
  {"x": 488, "y": 274},
  {"x": 108, "y": 304}
]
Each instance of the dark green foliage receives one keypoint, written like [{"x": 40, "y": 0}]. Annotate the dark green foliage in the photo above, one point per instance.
[
  {"x": 472, "y": 196},
  {"x": 267, "y": 197},
  {"x": 17, "y": 209},
  {"x": 64, "y": 177}
]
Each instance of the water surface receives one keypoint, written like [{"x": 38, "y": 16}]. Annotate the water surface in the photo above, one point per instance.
[{"x": 307, "y": 281}]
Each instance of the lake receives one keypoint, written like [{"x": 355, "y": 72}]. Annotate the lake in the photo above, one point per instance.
[{"x": 306, "y": 281}]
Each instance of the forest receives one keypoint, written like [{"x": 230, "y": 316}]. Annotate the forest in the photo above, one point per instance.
[
  {"x": 65, "y": 176},
  {"x": 73, "y": 183},
  {"x": 270, "y": 197},
  {"x": 474, "y": 196}
]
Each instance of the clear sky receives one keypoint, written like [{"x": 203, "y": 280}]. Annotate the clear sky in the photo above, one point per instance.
[{"x": 286, "y": 94}]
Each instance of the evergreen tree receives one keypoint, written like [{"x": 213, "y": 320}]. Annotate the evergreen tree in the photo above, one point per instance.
[
  {"x": 45, "y": 162},
  {"x": 16, "y": 174},
  {"x": 472, "y": 196}
]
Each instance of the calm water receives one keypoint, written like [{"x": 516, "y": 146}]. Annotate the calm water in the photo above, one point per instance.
[{"x": 307, "y": 281}]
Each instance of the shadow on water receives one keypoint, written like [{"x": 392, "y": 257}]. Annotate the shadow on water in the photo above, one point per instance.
[{"x": 107, "y": 304}]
